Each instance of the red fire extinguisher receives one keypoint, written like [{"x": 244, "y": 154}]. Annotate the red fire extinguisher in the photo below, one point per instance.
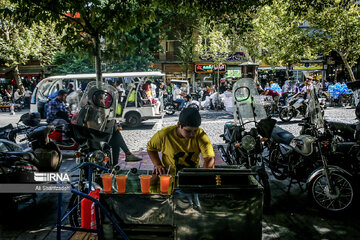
[{"x": 86, "y": 210}]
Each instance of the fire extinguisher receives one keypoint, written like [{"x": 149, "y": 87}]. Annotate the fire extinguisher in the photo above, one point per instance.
[
  {"x": 93, "y": 214},
  {"x": 86, "y": 209}
]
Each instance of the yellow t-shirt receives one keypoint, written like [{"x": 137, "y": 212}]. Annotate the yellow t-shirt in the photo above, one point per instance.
[{"x": 180, "y": 152}]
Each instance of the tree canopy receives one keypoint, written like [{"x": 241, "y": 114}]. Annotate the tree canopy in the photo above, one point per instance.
[{"x": 20, "y": 43}]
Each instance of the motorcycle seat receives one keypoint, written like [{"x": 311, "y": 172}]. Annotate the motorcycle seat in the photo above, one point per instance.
[
  {"x": 280, "y": 135},
  {"x": 23, "y": 155},
  {"x": 7, "y": 127},
  {"x": 347, "y": 129},
  {"x": 344, "y": 146}
]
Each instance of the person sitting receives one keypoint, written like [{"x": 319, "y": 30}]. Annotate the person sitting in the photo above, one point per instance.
[
  {"x": 95, "y": 118},
  {"x": 57, "y": 114},
  {"x": 177, "y": 96},
  {"x": 149, "y": 95},
  {"x": 57, "y": 105},
  {"x": 180, "y": 146},
  {"x": 70, "y": 88},
  {"x": 276, "y": 97}
]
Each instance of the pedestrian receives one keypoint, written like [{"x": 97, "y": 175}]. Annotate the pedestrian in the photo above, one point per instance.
[{"x": 27, "y": 96}]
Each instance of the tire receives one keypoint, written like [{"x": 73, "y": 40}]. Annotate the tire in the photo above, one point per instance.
[
  {"x": 276, "y": 164},
  {"x": 133, "y": 119},
  {"x": 286, "y": 114},
  {"x": 343, "y": 198},
  {"x": 75, "y": 215},
  {"x": 357, "y": 111},
  {"x": 169, "y": 109},
  {"x": 224, "y": 155},
  {"x": 263, "y": 179}
]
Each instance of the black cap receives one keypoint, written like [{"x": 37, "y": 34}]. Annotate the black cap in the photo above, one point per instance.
[{"x": 190, "y": 117}]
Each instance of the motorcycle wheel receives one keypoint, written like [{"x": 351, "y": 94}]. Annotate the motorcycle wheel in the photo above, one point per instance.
[
  {"x": 263, "y": 179},
  {"x": 357, "y": 111},
  {"x": 339, "y": 201},
  {"x": 278, "y": 170},
  {"x": 75, "y": 215},
  {"x": 224, "y": 155},
  {"x": 169, "y": 109},
  {"x": 286, "y": 114}
]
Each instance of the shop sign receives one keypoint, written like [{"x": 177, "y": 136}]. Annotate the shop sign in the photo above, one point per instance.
[
  {"x": 308, "y": 66},
  {"x": 210, "y": 68}
]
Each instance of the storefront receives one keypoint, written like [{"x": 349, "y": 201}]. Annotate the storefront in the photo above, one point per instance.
[
  {"x": 206, "y": 74},
  {"x": 315, "y": 69}
]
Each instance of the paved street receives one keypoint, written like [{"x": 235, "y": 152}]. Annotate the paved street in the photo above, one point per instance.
[{"x": 292, "y": 217}]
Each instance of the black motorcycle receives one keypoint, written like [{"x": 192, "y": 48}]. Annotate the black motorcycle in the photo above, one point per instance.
[
  {"x": 92, "y": 129},
  {"x": 306, "y": 159},
  {"x": 244, "y": 138}
]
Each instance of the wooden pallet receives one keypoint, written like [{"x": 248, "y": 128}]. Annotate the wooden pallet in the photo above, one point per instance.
[{"x": 84, "y": 236}]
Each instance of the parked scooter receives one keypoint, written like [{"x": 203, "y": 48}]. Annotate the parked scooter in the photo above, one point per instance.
[
  {"x": 296, "y": 106},
  {"x": 172, "y": 106},
  {"x": 33, "y": 120},
  {"x": 305, "y": 159},
  {"x": 15, "y": 163}
]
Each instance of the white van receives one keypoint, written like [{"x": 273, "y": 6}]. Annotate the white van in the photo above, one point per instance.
[{"x": 131, "y": 113}]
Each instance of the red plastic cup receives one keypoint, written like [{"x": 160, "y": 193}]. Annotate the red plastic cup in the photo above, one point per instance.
[
  {"x": 164, "y": 184},
  {"x": 107, "y": 182},
  {"x": 121, "y": 183},
  {"x": 145, "y": 183}
]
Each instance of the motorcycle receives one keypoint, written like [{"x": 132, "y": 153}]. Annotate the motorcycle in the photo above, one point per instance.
[
  {"x": 93, "y": 127},
  {"x": 296, "y": 106},
  {"x": 15, "y": 163},
  {"x": 244, "y": 137},
  {"x": 305, "y": 158},
  {"x": 172, "y": 106},
  {"x": 33, "y": 120}
]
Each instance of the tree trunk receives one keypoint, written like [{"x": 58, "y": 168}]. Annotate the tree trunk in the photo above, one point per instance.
[
  {"x": 18, "y": 79},
  {"x": 97, "y": 61},
  {"x": 287, "y": 71},
  {"x": 348, "y": 67}
]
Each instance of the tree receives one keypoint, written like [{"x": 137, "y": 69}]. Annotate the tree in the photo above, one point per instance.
[
  {"x": 276, "y": 30},
  {"x": 134, "y": 50},
  {"x": 213, "y": 43},
  {"x": 71, "y": 63},
  {"x": 20, "y": 43},
  {"x": 87, "y": 23},
  {"x": 340, "y": 27}
]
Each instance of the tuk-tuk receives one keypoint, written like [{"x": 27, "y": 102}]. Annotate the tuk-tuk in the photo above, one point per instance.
[
  {"x": 130, "y": 112},
  {"x": 182, "y": 84}
]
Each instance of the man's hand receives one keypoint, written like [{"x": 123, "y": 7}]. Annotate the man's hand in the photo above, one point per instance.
[
  {"x": 209, "y": 162},
  {"x": 159, "y": 169}
]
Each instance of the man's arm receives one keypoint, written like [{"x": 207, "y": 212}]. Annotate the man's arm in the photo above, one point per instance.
[
  {"x": 159, "y": 168},
  {"x": 209, "y": 162}
]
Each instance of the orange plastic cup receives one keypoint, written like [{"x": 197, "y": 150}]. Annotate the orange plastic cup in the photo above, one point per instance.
[
  {"x": 107, "y": 182},
  {"x": 121, "y": 183},
  {"x": 164, "y": 183},
  {"x": 145, "y": 183}
]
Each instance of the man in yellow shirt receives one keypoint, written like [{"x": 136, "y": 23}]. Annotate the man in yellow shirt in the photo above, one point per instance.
[{"x": 181, "y": 145}]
